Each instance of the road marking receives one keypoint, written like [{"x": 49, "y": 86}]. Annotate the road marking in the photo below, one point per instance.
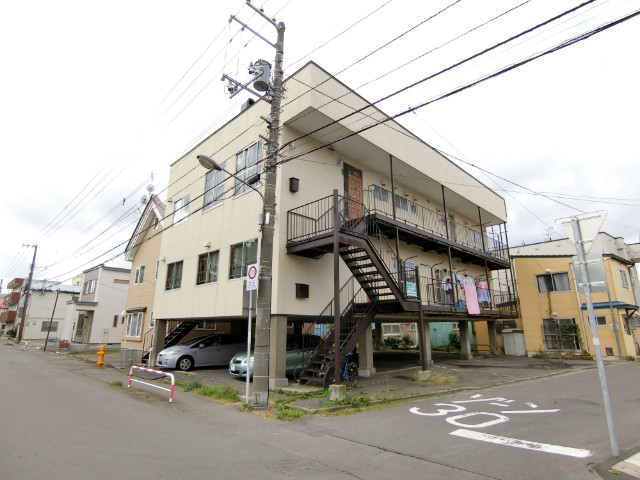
[{"x": 526, "y": 444}]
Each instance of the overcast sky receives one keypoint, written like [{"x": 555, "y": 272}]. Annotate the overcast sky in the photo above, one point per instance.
[{"x": 99, "y": 98}]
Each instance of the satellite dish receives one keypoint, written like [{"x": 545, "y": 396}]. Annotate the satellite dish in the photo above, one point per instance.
[
  {"x": 150, "y": 188},
  {"x": 143, "y": 199}
]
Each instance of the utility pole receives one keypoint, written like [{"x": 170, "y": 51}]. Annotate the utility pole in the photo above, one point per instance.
[
  {"x": 263, "y": 307},
  {"x": 28, "y": 294}
]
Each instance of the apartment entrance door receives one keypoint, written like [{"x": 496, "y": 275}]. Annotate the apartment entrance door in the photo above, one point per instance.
[{"x": 353, "y": 192}]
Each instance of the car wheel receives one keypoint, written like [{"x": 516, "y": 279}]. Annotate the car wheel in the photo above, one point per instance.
[{"x": 185, "y": 363}]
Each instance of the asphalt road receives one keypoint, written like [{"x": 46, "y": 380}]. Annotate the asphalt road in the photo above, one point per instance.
[{"x": 63, "y": 420}]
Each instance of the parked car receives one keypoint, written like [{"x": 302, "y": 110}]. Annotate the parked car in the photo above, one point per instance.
[
  {"x": 299, "y": 347},
  {"x": 208, "y": 350}
]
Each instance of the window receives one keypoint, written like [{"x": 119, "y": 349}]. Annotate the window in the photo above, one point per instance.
[
  {"x": 214, "y": 188},
  {"x": 413, "y": 327},
  {"x": 45, "y": 326},
  {"x": 139, "y": 275},
  {"x": 601, "y": 321},
  {"x": 561, "y": 334},
  {"x": 391, "y": 329},
  {"x": 402, "y": 203},
  {"x": 155, "y": 223},
  {"x": 181, "y": 209},
  {"x": 174, "y": 276},
  {"x": 206, "y": 325},
  {"x": 475, "y": 239},
  {"x": 455, "y": 326},
  {"x": 380, "y": 194},
  {"x": 89, "y": 287},
  {"x": 207, "y": 268},
  {"x": 553, "y": 282},
  {"x": 152, "y": 321},
  {"x": 134, "y": 324},
  {"x": 242, "y": 254},
  {"x": 247, "y": 168},
  {"x": 623, "y": 278},
  {"x": 115, "y": 321}
]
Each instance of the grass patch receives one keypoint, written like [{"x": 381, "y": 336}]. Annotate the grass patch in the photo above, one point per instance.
[
  {"x": 116, "y": 384},
  {"x": 287, "y": 414},
  {"x": 441, "y": 379},
  {"x": 228, "y": 393}
]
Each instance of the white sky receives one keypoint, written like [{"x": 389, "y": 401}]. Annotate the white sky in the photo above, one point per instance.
[{"x": 89, "y": 110}]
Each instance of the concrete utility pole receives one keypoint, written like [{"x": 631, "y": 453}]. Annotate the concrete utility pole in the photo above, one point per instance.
[
  {"x": 263, "y": 307},
  {"x": 263, "y": 312},
  {"x": 28, "y": 294}
]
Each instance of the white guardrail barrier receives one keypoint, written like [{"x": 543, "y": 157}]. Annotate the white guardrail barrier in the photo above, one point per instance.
[{"x": 158, "y": 372}]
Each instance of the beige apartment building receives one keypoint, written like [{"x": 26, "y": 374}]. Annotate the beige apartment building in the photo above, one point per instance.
[{"x": 417, "y": 236}]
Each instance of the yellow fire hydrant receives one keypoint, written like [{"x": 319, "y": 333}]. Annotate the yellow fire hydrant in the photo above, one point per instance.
[{"x": 100, "y": 362}]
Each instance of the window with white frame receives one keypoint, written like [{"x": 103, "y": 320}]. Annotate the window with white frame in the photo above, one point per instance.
[
  {"x": 134, "y": 324},
  {"x": 391, "y": 329},
  {"x": 242, "y": 254},
  {"x": 181, "y": 209},
  {"x": 139, "y": 278},
  {"x": 89, "y": 287},
  {"x": 174, "y": 276},
  {"x": 380, "y": 194},
  {"x": 208, "y": 268},
  {"x": 206, "y": 325},
  {"x": 553, "y": 282},
  {"x": 623, "y": 278},
  {"x": 413, "y": 327},
  {"x": 247, "y": 168},
  {"x": 45, "y": 326},
  {"x": 455, "y": 326},
  {"x": 152, "y": 321},
  {"x": 214, "y": 188}
]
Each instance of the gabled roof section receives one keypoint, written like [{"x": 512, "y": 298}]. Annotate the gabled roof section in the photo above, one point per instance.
[{"x": 153, "y": 210}]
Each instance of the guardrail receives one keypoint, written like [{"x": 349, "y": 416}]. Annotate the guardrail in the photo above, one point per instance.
[
  {"x": 158, "y": 372},
  {"x": 23, "y": 345}
]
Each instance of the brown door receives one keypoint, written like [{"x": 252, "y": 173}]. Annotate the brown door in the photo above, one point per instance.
[{"x": 353, "y": 192}]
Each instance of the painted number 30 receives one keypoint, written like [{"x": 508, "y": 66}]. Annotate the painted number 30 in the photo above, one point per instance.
[{"x": 457, "y": 420}]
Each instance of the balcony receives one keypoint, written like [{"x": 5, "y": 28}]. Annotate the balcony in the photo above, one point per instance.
[
  {"x": 13, "y": 298},
  {"x": 364, "y": 237},
  {"x": 8, "y": 317}
]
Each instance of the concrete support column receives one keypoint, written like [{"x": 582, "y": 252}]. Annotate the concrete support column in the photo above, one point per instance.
[
  {"x": 465, "y": 341},
  {"x": 159, "y": 335},
  {"x": 427, "y": 343},
  {"x": 365, "y": 354},
  {"x": 493, "y": 337},
  {"x": 277, "y": 353}
]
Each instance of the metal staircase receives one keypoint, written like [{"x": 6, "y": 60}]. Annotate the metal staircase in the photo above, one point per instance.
[{"x": 175, "y": 335}]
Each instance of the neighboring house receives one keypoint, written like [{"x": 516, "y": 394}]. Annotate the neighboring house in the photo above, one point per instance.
[
  {"x": 554, "y": 317},
  {"x": 142, "y": 250},
  {"x": 9, "y": 316},
  {"x": 95, "y": 316},
  {"x": 41, "y": 319},
  {"x": 397, "y": 200}
]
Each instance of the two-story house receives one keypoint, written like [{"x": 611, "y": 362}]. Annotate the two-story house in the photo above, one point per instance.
[
  {"x": 412, "y": 235},
  {"x": 95, "y": 315},
  {"x": 46, "y": 311},
  {"x": 554, "y": 315}
]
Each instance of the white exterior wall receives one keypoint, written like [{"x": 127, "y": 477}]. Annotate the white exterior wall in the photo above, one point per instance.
[
  {"x": 40, "y": 310},
  {"x": 111, "y": 298}
]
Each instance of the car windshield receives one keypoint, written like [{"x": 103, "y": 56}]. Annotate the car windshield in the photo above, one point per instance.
[{"x": 193, "y": 341}]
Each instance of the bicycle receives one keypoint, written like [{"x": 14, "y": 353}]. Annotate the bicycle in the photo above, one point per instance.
[{"x": 348, "y": 373}]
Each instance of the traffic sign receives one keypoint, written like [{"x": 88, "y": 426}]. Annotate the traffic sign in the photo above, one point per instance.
[{"x": 252, "y": 277}]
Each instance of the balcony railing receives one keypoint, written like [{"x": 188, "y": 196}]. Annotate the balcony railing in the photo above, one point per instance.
[{"x": 415, "y": 215}]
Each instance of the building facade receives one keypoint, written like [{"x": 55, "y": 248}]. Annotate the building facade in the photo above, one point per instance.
[
  {"x": 362, "y": 205},
  {"x": 554, "y": 315},
  {"x": 95, "y": 315}
]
